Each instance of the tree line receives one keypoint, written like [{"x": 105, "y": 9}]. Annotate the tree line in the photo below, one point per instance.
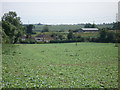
[
  {"x": 13, "y": 30},
  {"x": 104, "y": 36}
]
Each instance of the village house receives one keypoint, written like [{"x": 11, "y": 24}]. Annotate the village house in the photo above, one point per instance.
[
  {"x": 43, "y": 38},
  {"x": 88, "y": 30}
]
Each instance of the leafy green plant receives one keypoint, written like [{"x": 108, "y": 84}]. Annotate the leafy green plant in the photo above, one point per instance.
[{"x": 87, "y": 65}]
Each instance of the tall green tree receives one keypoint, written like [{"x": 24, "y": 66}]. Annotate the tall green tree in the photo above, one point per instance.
[
  {"x": 103, "y": 35},
  {"x": 107, "y": 36},
  {"x": 12, "y": 26},
  {"x": 70, "y": 35},
  {"x": 0, "y": 34},
  {"x": 88, "y": 25},
  {"x": 29, "y": 29},
  {"x": 110, "y": 36}
]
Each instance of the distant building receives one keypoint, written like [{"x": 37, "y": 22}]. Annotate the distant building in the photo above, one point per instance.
[
  {"x": 43, "y": 38},
  {"x": 89, "y": 30}
]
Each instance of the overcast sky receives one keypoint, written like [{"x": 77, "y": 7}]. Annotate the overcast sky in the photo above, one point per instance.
[{"x": 63, "y": 11}]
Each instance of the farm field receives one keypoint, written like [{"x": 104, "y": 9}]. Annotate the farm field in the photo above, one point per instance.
[
  {"x": 87, "y": 65},
  {"x": 39, "y": 28}
]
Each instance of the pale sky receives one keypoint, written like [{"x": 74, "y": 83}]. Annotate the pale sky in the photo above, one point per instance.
[{"x": 63, "y": 11}]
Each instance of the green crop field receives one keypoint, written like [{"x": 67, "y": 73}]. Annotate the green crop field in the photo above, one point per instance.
[
  {"x": 39, "y": 28},
  {"x": 87, "y": 65}
]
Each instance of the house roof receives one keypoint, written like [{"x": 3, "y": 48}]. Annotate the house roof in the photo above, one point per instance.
[{"x": 95, "y": 29}]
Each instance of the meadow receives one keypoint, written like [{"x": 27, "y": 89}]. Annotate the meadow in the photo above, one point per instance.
[{"x": 87, "y": 65}]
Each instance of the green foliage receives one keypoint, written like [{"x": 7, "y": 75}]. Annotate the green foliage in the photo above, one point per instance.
[
  {"x": 70, "y": 35},
  {"x": 60, "y": 65},
  {"x": 88, "y": 25},
  {"x": 12, "y": 27},
  {"x": 45, "y": 28},
  {"x": 117, "y": 34},
  {"x": 61, "y": 37},
  {"x": 5, "y": 38},
  {"x": 28, "y": 41},
  {"x": 116, "y": 26},
  {"x": 110, "y": 37},
  {"x": 29, "y": 29},
  {"x": 58, "y": 36},
  {"x": 103, "y": 35},
  {"x": 3, "y": 35},
  {"x": 107, "y": 36},
  {"x": 0, "y": 34}
]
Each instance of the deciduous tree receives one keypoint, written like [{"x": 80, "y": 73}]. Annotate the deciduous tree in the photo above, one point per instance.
[{"x": 12, "y": 26}]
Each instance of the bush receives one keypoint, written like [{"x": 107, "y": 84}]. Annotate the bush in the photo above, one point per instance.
[
  {"x": 40, "y": 42},
  {"x": 28, "y": 41},
  {"x": 67, "y": 41},
  {"x": 107, "y": 36}
]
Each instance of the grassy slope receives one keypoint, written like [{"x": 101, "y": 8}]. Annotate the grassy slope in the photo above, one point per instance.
[
  {"x": 58, "y": 27},
  {"x": 61, "y": 65},
  {"x": 39, "y": 28}
]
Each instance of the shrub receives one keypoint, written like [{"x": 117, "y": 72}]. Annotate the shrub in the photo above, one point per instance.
[{"x": 28, "y": 41}]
